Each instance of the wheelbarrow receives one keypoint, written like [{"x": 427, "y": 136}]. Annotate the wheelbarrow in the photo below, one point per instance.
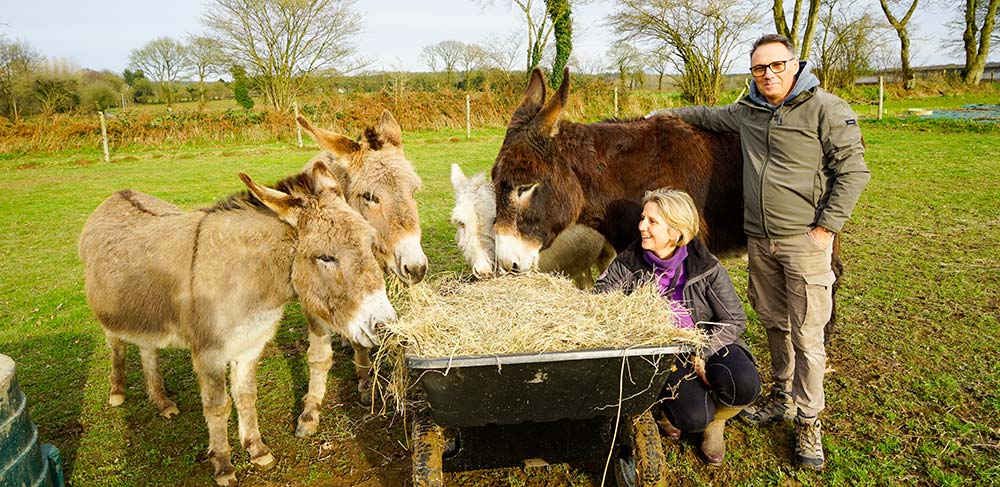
[{"x": 492, "y": 411}]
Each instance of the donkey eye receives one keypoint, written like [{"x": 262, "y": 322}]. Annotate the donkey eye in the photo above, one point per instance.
[
  {"x": 371, "y": 198},
  {"x": 327, "y": 259},
  {"x": 524, "y": 188}
]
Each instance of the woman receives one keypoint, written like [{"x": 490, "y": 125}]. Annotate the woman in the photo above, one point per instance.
[{"x": 720, "y": 380}]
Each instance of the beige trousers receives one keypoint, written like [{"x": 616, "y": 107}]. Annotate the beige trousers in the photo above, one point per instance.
[{"x": 791, "y": 289}]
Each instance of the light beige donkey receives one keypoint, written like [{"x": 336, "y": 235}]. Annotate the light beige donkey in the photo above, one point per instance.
[
  {"x": 216, "y": 281},
  {"x": 380, "y": 183}
]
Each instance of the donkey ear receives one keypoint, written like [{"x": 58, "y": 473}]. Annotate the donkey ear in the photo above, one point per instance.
[
  {"x": 330, "y": 141},
  {"x": 285, "y": 205},
  {"x": 457, "y": 176},
  {"x": 534, "y": 96},
  {"x": 389, "y": 129},
  {"x": 324, "y": 181},
  {"x": 548, "y": 117}
]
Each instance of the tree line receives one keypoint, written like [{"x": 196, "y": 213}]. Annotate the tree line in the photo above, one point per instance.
[{"x": 280, "y": 50}]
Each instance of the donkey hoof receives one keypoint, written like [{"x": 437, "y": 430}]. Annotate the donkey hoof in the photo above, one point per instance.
[
  {"x": 116, "y": 400},
  {"x": 225, "y": 478},
  {"x": 306, "y": 428},
  {"x": 264, "y": 462},
  {"x": 169, "y": 411}
]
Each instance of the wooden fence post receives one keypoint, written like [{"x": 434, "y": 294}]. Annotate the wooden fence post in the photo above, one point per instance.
[
  {"x": 468, "y": 117},
  {"x": 104, "y": 137},
  {"x": 298, "y": 128},
  {"x": 881, "y": 96}
]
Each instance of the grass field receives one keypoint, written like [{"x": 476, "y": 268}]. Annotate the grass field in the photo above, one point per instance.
[{"x": 914, "y": 397}]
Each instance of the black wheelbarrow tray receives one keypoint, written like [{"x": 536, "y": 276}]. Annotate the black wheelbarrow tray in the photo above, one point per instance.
[{"x": 491, "y": 411}]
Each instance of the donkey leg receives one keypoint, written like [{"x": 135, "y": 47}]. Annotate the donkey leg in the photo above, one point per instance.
[
  {"x": 243, "y": 377},
  {"x": 320, "y": 360},
  {"x": 154, "y": 383},
  {"x": 363, "y": 371},
  {"x": 215, "y": 406},
  {"x": 117, "y": 378}
]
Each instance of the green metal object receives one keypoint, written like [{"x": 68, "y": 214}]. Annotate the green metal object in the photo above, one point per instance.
[{"x": 22, "y": 461}]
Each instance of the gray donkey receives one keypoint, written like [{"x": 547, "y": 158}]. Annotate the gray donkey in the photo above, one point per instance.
[{"x": 216, "y": 281}]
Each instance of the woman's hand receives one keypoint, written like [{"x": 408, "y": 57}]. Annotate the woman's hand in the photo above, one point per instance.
[{"x": 699, "y": 368}]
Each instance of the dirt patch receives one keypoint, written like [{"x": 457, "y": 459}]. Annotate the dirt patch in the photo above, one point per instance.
[
  {"x": 83, "y": 162},
  {"x": 129, "y": 159},
  {"x": 27, "y": 165}
]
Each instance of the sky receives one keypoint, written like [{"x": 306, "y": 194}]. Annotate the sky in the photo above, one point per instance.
[{"x": 100, "y": 34}]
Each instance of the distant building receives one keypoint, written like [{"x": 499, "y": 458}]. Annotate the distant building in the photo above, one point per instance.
[{"x": 991, "y": 74}]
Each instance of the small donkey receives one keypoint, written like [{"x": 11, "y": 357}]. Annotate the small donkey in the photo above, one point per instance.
[
  {"x": 573, "y": 252},
  {"x": 216, "y": 281}
]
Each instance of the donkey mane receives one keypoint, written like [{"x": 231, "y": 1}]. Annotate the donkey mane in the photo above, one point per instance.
[{"x": 245, "y": 200}]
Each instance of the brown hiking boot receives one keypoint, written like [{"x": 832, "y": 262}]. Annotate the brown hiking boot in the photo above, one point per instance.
[
  {"x": 777, "y": 406},
  {"x": 809, "y": 443}
]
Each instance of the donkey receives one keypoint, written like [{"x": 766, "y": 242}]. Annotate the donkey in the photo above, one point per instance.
[
  {"x": 573, "y": 253},
  {"x": 550, "y": 174},
  {"x": 380, "y": 183},
  {"x": 216, "y": 281}
]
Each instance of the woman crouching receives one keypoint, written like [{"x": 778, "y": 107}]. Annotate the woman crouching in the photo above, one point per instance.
[{"x": 720, "y": 380}]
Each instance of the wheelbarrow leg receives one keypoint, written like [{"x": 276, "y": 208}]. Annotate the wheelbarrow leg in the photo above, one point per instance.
[
  {"x": 428, "y": 448},
  {"x": 645, "y": 464}
]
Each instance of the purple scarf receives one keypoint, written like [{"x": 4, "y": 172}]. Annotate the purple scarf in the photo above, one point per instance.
[{"x": 671, "y": 271}]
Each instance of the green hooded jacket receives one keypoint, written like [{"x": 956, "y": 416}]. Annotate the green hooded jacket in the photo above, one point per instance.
[{"x": 803, "y": 161}]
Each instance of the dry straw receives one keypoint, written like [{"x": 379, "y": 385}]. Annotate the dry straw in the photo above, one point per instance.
[{"x": 532, "y": 313}]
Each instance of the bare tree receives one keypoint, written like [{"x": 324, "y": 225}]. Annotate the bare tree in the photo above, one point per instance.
[
  {"x": 624, "y": 58},
  {"x": 206, "y": 58},
  {"x": 429, "y": 57},
  {"x": 162, "y": 60},
  {"x": 472, "y": 57},
  {"x": 448, "y": 53},
  {"x": 850, "y": 38},
  {"x": 285, "y": 42},
  {"x": 792, "y": 32},
  {"x": 979, "y": 29},
  {"x": 659, "y": 60},
  {"x": 17, "y": 60},
  {"x": 702, "y": 33},
  {"x": 539, "y": 29},
  {"x": 587, "y": 64},
  {"x": 899, "y": 24},
  {"x": 501, "y": 52}
]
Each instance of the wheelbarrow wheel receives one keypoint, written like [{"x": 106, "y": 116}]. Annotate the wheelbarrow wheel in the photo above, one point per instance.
[
  {"x": 645, "y": 464},
  {"x": 428, "y": 448}
]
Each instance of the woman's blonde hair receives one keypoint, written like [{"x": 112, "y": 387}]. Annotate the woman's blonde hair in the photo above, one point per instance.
[{"x": 678, "y": 210}]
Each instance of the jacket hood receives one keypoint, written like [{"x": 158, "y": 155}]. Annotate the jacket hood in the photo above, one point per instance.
[{"x": 804, "y": 81}]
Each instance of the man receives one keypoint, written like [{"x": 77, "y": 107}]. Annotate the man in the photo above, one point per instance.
[{"x": 803, "y": 171}]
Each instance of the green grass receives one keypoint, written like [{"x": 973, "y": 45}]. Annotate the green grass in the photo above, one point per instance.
[{"x": 914, "y": 398}]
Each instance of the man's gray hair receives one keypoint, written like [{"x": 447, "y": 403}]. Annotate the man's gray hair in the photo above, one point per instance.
[{"x": 773, "y": 39}]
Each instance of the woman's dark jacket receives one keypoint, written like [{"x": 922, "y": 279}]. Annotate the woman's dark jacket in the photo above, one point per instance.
[{"x": 709, "y": 294}]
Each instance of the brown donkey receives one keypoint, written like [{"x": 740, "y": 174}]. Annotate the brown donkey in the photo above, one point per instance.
[
  {"x": 216, "y": 281},
  {"x": 552, "y": 173},
  {"x": 380, "y": 183}
]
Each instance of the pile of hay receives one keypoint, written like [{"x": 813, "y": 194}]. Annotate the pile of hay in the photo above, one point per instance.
[{"x": 531, "y": 313}]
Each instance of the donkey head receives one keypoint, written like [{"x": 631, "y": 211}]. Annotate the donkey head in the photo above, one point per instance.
[
  {"x": 334, "y": 271},
  {"x": 381, "y": 184},
  {"x": 537, "y": 193},
  {"x": 473, "y": 215}
]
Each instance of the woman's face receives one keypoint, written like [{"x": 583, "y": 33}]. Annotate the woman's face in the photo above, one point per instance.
[{"x": 657, "y": 236}]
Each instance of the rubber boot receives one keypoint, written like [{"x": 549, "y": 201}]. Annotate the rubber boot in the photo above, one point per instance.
[
  {"x": 713, "y": 443},
  {"x": 667, "y": 429}
]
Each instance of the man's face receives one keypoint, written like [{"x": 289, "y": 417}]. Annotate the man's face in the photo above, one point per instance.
[{"x": 774, "y": 86}]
